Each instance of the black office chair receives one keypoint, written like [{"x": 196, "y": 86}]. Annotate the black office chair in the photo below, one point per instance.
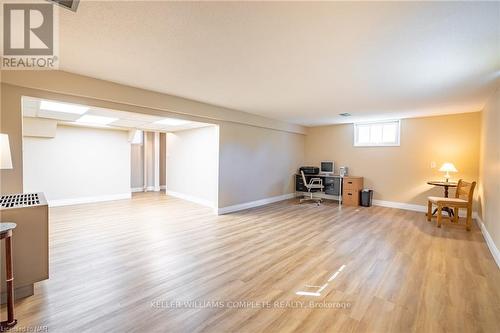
[{"x": 314, "y": 184}]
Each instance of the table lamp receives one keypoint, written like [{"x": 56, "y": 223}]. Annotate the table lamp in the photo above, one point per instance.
[
  {"x": 448, "y": 167},
  {"x": 5, "y": 158}
]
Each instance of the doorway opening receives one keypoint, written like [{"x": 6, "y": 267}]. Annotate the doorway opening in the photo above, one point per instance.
[{"x": 79, "y": 154}]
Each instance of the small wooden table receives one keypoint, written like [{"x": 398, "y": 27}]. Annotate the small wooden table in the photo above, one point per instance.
[
  {"x": 446, "y": 186},
  {"x": 6, "y": 233}
]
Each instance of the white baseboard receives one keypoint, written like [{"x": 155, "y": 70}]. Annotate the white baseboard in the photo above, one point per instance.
[
  {"x": 148, "y": 189},
  {"x": 201, "y": 201},
  {"x": 489, "y": 241},
  {"x": 84, "y": 200},
  {"x": 413, "y": 207},
  {"x": 256, "y": 203},
  {"x": 152, "y": 189},
  {"x": 400, "y": 205}
]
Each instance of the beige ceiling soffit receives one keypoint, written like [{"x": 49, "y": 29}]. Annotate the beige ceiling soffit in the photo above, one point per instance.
[
  {"x": 82, "y": 86},
  {"x": 99, "y": 104},
  {"x": 32, "y": 109}
]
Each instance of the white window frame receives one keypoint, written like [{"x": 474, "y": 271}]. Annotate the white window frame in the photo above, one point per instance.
[{"x": 378, "y": 144}]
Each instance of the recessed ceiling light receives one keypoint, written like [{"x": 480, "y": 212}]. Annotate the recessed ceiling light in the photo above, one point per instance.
[
  {"x": 345, "y": 114},
  {"x": 95, "y": 120},
  {"x": 172, "y": 122},
  {"x": 63, "y": 107}
]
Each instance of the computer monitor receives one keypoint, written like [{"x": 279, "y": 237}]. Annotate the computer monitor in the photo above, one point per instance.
[{"x": 327, "y": 167}]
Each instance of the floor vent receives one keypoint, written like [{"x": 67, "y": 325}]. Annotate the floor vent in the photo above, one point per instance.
[{"x": 19, "y": 200}]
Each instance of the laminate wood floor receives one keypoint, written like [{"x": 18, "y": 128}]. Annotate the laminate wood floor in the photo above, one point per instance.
[{"x": 138, "y": 266}]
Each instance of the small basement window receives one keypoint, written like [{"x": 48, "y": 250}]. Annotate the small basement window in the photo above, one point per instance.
[{"x": 380, "y": 133}]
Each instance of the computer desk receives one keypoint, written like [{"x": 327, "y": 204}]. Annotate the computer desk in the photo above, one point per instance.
[{"x": 332, "y": 182}]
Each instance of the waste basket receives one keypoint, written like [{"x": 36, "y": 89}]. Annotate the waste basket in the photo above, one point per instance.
[{"x": 366, "y": 197}]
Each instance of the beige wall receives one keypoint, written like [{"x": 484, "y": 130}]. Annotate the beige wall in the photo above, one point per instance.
[
  {"x": 149, "y": 149},
  {"x": 251, "y": 177},
  {"x": 256, "y": 163},
  {"x": 137, "y": 162},
  {"x": 489, "y": 185},
  {"x": 193, "y": 164},
  {"x": 400, "y": 173},
  {"x": 136, "y": 166},
  {"x": 163, "y": 159},
  {"x": 78, "y": 163},
  {"x": 11, "y": 181}
]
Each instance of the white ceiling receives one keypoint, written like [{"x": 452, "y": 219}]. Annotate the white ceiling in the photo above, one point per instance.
[
  {"x": 125, "y": 120},
  {"x": 300, "y": 62}
]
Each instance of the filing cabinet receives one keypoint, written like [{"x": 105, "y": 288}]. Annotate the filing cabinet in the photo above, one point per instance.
[
  {"x": 351, "y": 188},
  {"x": 332, "y": 185}
]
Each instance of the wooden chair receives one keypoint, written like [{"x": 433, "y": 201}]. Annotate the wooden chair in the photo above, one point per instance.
[{"x": 463, "y": 199}]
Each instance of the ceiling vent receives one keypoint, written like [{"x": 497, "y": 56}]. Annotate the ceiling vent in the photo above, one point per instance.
[
  {"x": 68, "y": 4},
  {"x": 345, "y": 114}
]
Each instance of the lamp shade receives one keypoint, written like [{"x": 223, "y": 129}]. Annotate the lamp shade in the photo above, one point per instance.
[
  {"x": 5, "y": 158},
  {"x": 448, "y": 167}
]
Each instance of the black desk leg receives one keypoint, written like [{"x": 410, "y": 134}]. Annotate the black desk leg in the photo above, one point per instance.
[{"x": 445, "y": 209}]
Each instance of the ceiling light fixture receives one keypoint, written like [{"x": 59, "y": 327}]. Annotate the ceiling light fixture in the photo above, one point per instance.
[
  {"x": 345, "y": 114},
  {"x": 95, "y": 120},
  {"x": 172, "y": 122},
  {"x": 63, "y": 107}
]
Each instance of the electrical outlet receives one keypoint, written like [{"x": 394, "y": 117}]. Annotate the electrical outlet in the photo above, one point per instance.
[{"x": 433, "y": 164}]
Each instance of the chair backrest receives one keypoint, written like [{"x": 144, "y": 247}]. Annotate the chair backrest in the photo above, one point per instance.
[
  {"x": 465, "y": 190},
  {"x": 303, "y": 177}
]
